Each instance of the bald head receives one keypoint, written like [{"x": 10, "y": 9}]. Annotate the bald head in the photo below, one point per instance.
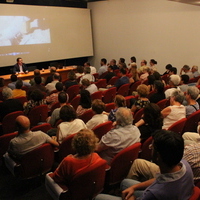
[
  {"x": 124, "y": 116},
  {"x": 23, "y": 123}
]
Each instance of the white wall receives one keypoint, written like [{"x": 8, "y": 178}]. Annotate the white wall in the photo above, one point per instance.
[{"x": 163, "y": 30}]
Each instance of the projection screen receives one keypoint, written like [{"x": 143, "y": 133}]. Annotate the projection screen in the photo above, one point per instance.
[{"x": 43, "y": 33}]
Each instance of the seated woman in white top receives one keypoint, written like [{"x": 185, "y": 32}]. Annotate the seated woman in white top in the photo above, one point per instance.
[
  {"x": 100, "y": 117},
  {"x": 70, "y": 123},
  {"x": 175, "y": 111}
]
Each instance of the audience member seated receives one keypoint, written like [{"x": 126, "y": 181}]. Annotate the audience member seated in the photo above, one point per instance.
[
  {"x": 55, "y": 116},
  {"x": 71, "y": 79},
  {"x": 113, "y": 63},
  {"x": 27, "y": 140},
  {"x": 18, "y": 92},
  {"x": 93, "y": 69},
  {"x": 87, "y": 75},
  {"x": 167, "y": 67},
  {"x": 132, "y": 61},
  {"x": 52, "y": 98},
  {"x": 103, "y": 67},
  {"x": 159, "y": 92},
  {"x": 122, "y": 136},
  {"x": 183, "y": 83},
  {"x": 123, "y": 79},
  {"x": 153, "y": 65},
  {"x": 36, "y": 86},
  {"x": 36, "y": 73},
  {"x": 119, "y": 101},
  {"x": 195, "y": 72},
  {"x": 13, "y": 79},
  {"x": 144, "y": 75},
  {"x": 191, "y": 96},
  {"x": 79, "y": 70},
  {"x": 172, "y": 71},
  {"x": 90, "y": 87},
  {"x": 50, "y": 77},
  {"x": 174, "y": 81},
  {"x": 84, "y": 143},
  {"x": 9, "y": 105},
  {"x": 99, "y": 117},
  {"x": 151, "y": 78},
  {"x": 151, "y": 121},
  {"x": 110, "y": 73},
  {"x": 52, "y": 86},
  {"x": 143, "y": 64},
  {"x": 186, "y": 70},
  {"x": 175, "y": 111},
  {"x": 85, "y": 102},
  {"x": 142, "y": 100},
  {"x": 70, "y": 123},
  {"x": 122, "y": 64},
  {"x": 2, "y": 85},
  {"x": 36, "y": 99},
  {"x": 175, "y": 180},
  {"x": 134, "y": 73}
]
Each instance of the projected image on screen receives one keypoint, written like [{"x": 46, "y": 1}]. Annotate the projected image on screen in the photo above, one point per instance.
[{"x": 22, "y": 30}]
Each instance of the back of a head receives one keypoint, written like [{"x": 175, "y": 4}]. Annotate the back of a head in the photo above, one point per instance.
[
  {"x": 38, "y": 80},
  {"x": 87, "y": 70},
  {"x": 59, "y": 86},
  {"x": 169, "y": 145},
  {"x": 36, "y": 72},
  {"x": 185, "y": 78},
  {"x": 153, "y": 61},
  {"x": 123, "y": 71},
  {"x": 186, "y": 67},
  {"x": 67, "y": 113},
  {"x": 56, "y": 76},
  {"x": 178, "y": 96},
  {"x": 19, "y": 84},
  {"x": 85, "y": 82},
  {"x": 79, "y": 69},
  {"x": 173, "y": 70},
  {"x": 84, "y": 142},
  {"x": 133, "y": 59},
  {"x": 124, "y": 116},
  {"x": 193, "y": 91},
  {"x": 143, "y": 90},
  {"x": 151, "y": 79},
  {"x": 85, "y": 100},
  {"x": 71, "y": 75},
  {"x": 168, "y": 66},
  {"x": 159, "y": 86},
  {"x": 98, "y": 106},
  {"x": 62, "y": 97},
  {"x": 36, "y": 95},
  {"x": 175, "y": 79},
  {"x": 157, "y": 75},
  {"x": 120, "y": 101},
  {"x": 7, "y": 93},
  {"x": 122, "y": 60},
  {"x": 104, "y": 61},
  {"x": 13, "y": 78},
  {"x": 22, "y": 123}
]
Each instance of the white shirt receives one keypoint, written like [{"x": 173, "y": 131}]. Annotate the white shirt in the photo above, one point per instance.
[
  {"x": 96, "y": 120},
  {"x": 90, "y": 77},
  {"x": 68, "y": 128},
  {"x": 93, "y": 70},
  {"x": 92, "y": 88}
]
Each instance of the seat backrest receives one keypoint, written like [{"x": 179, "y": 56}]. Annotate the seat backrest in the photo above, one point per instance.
[
  {"x": 22, "y": 99},
  {"x": 8, "y": 122},
  {"x": 65, "y": 147},
  {"x": 124, "y": 90},
  {"x": 54, "y": 106},
  {"x": 75, "y": 102},
  {"x": 109, "y": 95},
  {"x": 35, "y": 162},
  {"x": 109, "y": 107},
  {"x": 113, "y": 80},
  {"x": 146, "y": 152},
  {"x": 134, "y": 86},
  {"x": 102, "y": 129},
  {"x": 38, "y": 114},
  {"x": 121, "y": 163},
  {"x": 162, "y": 103},
  {"x": 96, "y": 95},
  {"x": 195, "y": 194},
  {"x": 138, "y": 115},
  {"x": 42, "y": 127},
  {"x": 1, "y": 96},
  {"x": 4, "y": 143},
  {"x": 101, "y": 83},
  {"x": 72, "y": 91},
  {"x": 178, "y": 126},
  {"x": 96, "y": 76},
  {"x": 87, "y": 115},
  {"x": 89, "y": 182},
  {"x": 192, "y": 122},
  {"x": 103, "y": 75}
]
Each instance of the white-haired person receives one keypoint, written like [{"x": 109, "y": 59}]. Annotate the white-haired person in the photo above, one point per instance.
[
  {"x": 195, "y": 72},
  {"x": 175, "y": 111}
]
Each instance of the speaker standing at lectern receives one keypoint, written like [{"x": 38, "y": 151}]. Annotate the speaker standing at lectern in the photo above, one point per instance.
[{"x": 20, "y": 67}]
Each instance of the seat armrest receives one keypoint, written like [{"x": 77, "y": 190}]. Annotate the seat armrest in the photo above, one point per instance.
[
  {"x": 54, "y": 189},
  {"x": 10, "y": 163}
]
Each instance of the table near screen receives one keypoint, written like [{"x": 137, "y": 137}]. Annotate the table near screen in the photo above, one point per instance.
[{"x": 44, "y": 73}]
